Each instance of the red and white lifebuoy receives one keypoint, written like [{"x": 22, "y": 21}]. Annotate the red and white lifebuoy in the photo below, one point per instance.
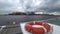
[{"x": 38, "y": 27}]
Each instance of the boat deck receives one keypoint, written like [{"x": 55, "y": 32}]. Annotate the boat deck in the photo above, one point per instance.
[{"x": 11, "y": 29}]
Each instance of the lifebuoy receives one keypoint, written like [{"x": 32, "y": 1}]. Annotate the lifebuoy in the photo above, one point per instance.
[{"x": 39, "y": 28}]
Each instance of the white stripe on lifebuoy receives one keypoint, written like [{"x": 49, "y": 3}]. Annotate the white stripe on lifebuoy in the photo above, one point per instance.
[
  {"x": 34, "y": 22},
  {"x": 41, "y": 26},
  {"x": 45, "y": 30}
]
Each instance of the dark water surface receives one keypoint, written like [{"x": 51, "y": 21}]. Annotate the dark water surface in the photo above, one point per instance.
[{"x": 6, "y": 20}]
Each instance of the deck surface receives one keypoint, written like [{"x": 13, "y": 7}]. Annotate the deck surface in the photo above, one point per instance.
[{"x": 12, "y": 29}]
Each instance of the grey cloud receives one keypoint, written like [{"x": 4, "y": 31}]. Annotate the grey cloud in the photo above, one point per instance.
[
  {"x": 52, "y": 5},
  {"x": 45, "y": 5}
]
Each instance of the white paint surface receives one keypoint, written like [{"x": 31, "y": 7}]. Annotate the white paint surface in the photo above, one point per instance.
[{"x": 56, "y": 29}]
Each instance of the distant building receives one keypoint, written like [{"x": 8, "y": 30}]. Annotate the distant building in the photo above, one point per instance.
[
  {"x": 30, "y": 13},
  {"x": 38, "y": 12},
  {"x": 41, "y": 12},
  {"x": 55, "y": 13},
  {"x": 50, "y": 13}
]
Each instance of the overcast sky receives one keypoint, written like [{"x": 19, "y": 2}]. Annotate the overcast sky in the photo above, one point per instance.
[{"x": 7, "y": 6}]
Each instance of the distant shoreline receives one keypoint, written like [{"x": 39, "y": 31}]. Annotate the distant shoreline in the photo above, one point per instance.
[{"x": 31, "y": 15}]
